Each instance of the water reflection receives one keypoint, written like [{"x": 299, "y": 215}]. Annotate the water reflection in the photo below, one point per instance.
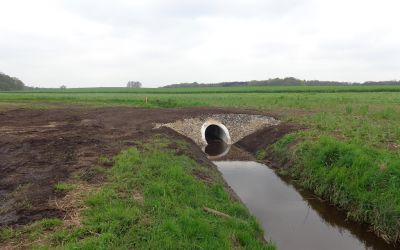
[
  {"x": 216, "y": 149},
  {"x": 336, "y": 218},
  {"x": 291, "y": 218}
]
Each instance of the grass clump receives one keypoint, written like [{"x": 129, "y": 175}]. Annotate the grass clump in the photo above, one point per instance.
[
  {"x": 261, "y": 154},
  {"x": 153, "y": 201},
  {"x": 100, "y": 170},
  {"x": 30, "y": 232},
  {"x": 64, "y": 187},
  {"x": 105, "y": 161}
]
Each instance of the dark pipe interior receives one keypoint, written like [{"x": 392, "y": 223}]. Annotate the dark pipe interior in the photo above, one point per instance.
[{"x": 214, "y": 133}]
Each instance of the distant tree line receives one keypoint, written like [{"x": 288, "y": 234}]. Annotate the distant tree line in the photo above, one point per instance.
[
  {"x": 288, "y": 81},
  {"x": 10, "y": 83}
]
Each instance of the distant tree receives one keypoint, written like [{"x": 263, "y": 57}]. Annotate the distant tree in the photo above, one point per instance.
[
  {"x": 63, "y": 87},
  {"x": 10, "y": 83},
  {"x": 134, "y": 84}
]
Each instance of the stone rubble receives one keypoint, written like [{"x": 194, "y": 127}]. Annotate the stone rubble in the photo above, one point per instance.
[{"x": 239, "y": 125}]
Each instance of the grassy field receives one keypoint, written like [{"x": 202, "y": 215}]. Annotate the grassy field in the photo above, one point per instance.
[
  {"x": 349, "y": 154},
  {"x": 145, "y": 206},
  {"x": 362, "y": 117}
]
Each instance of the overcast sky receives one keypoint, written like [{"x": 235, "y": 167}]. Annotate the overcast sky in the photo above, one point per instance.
[{"x": 87, "y": 43}]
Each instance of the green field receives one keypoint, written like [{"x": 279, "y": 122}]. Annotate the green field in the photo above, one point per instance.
[
  {"x": 349, "y": 152},
  {"x": 361, "y": 117}
]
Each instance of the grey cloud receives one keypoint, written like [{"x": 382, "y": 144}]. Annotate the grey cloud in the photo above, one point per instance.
[{"x": 168, "y": 41}]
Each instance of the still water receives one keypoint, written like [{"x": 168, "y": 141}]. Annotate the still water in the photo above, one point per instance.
[{"x": 293, "y": 218}]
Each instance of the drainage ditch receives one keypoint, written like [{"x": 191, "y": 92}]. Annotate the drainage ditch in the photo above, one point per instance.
[{"x": 291, "y": 217}]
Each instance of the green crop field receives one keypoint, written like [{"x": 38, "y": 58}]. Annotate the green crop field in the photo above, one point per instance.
[{"x": 348, "y": 152}]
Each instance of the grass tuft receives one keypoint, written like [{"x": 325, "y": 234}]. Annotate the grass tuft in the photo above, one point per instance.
[
  {"x": 30, "y": 232},
  {"x": 64, "y": 187}
]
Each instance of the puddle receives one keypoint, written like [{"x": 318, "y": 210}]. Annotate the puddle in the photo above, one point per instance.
[{"x": 293, "y": 218}]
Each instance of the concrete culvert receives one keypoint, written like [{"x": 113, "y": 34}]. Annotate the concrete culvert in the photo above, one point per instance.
[
  {"x": 212, "y": 132},
  {"x": 239, "y": 125}
]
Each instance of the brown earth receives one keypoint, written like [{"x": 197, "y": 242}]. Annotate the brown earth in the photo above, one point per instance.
[
  {"x": 263, "y": 138},
  {"x": 39, "y": 148}
]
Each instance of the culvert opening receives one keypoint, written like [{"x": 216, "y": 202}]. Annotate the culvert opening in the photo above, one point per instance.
[{"x": 215, "y": 133}]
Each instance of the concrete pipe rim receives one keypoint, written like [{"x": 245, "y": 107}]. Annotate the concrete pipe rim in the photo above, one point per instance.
[{"x": 224, "y": 129}]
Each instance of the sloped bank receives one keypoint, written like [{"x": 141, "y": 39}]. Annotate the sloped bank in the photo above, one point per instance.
[
  {"x": 364, "y": 182},
  {"x": 160, "y": 193}
]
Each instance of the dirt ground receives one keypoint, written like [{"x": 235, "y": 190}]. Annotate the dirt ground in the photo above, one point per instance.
[
  {"x": 264, "y": 138},
  {"x": 40, "y": 148}
]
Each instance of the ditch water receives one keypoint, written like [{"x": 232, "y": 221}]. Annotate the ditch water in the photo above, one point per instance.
[{"x": 292, "y": 218}]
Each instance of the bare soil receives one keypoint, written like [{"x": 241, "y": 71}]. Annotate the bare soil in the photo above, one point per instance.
[
  {"x": 39, "y": 148},
  {"x": 263, "y": 138}
]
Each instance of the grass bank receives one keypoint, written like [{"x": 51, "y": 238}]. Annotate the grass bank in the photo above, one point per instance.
[
  {"x": 364, "y": 182},
  {"x": 152, "y": 200}
]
